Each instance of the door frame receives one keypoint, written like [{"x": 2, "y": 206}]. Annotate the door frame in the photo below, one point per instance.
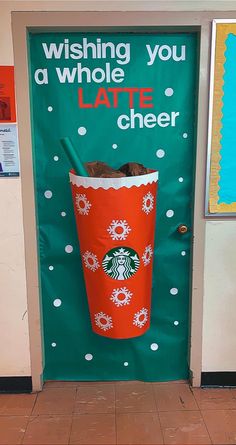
[{"x": 22, "y": 22}]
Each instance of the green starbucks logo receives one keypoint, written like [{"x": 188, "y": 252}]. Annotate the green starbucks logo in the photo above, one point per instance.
[{"x": 121, "y": 263}]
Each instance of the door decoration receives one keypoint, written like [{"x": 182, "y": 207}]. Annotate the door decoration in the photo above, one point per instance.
[
  {"x": 66, "y": 95},
  {"x": 117, "y": 253},
  {"x": 221, "y": 197}
]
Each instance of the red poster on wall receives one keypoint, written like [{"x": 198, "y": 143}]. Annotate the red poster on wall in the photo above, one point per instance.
[{"x": 7, "y": 95}]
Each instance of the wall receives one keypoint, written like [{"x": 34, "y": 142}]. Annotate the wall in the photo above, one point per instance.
[
  {"x": 219, "y": 308},
  {"x": 14, "y": 334},
  {"x": 220, "y": 284}
]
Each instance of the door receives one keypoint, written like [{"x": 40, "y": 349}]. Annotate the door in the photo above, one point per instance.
[{"x": 120, "y": 97}]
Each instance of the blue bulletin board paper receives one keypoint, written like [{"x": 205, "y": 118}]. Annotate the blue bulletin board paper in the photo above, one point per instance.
[{"x": 227, "y": 183}]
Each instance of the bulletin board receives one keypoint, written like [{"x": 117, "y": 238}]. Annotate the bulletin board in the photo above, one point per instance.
[{"x": 221, "y": 184}]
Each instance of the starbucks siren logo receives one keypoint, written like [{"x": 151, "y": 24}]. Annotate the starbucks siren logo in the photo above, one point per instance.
[{"x": 121, "y": 263}]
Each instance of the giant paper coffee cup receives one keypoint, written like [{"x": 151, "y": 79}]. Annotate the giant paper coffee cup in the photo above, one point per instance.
[{"x": 115, "y": 220}]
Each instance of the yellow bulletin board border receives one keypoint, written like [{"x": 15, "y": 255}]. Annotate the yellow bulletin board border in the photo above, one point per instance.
[{"x": 220, "y": 31}]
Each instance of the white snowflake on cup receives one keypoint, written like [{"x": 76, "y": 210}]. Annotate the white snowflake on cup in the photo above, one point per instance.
[
  {"x": 140, "y": 318},
  {"x": 82, "y": 203},
  {"x": 147, "y": 256},
  {"x": 148, "y": 203},
  {"x": 91, "y": 261},
  {"x": 119, "y": 229},
  {"x": 121, "y": 296},
  {"x": 103, "y": 321}
]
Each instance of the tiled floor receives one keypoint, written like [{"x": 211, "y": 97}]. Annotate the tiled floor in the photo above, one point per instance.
[{"x": 119, "y": 413}]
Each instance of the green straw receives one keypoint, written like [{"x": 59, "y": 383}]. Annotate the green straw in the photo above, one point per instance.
[{"x": 73, "y": 157}]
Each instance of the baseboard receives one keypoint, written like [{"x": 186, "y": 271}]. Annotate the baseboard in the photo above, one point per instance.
[
  {"x": 218, "y": 378},
  {"x": 15, "y": 384}
]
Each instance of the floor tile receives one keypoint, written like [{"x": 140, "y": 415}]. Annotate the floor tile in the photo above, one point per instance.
[
  {"x": 221, "y": 425},
  {"x": 55, "y": 401},
  {"x": 173, "y": 382},
  {"x": 95, "y": 383},
  {"x": 93, "y": 429},
  {"x": 138, "y": 428},
  {"x": 174, "y": 397},
  {"x": 12, "y": 429},
  {"x": 220, "y": 398},
  {"x": 95, "y": 399},
  {"x": 184, "y": 427},
  {"x": 233, "y": 392},
  {"x": 72, "y": 384},
  {"x": 134, "y": 397},
  {"x": 46, "y": 430},
  {"x": 17, "y": 404},
  {"x": 132, "y": 382},
  {"x": 59, "y": 384}
]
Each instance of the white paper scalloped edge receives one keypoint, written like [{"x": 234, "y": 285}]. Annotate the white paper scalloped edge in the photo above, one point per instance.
[{"x": 115, "y": 183}]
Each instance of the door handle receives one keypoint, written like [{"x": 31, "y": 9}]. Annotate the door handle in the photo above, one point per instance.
[{"x": 182, "y": 229}]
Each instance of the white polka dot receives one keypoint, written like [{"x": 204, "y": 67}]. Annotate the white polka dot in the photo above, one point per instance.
[
  {"x": 56, "y": 158},
  {"x": 154, "y": 346},
  {"x": 48, "y": 194},
  {"x": 174, "y": 291},
  {"x": 69, "y": 248},
  {"x": 126, "y": 364},
  {"x": 82, "y": 131},
  {"x": 57, "y": 302},
  {"x": 54, "y": 344},
  {"x": 114, "y": 146},
  {"x": 63, "y": 213},
  {"x": 176, "y": 323},
  {"x": 181, "y": 179},
  {"x": 50, "y": 267},
  {"x": 160, "y": 153},
  {"x": 170, "y": 213},
  {"x": 88, "y": 357},
  {"x": 169, "y": 92},
  {"x": 183, "y": 253},
  {"x": 50, "y": 109},
  {"x": 185, "y": 135}
]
